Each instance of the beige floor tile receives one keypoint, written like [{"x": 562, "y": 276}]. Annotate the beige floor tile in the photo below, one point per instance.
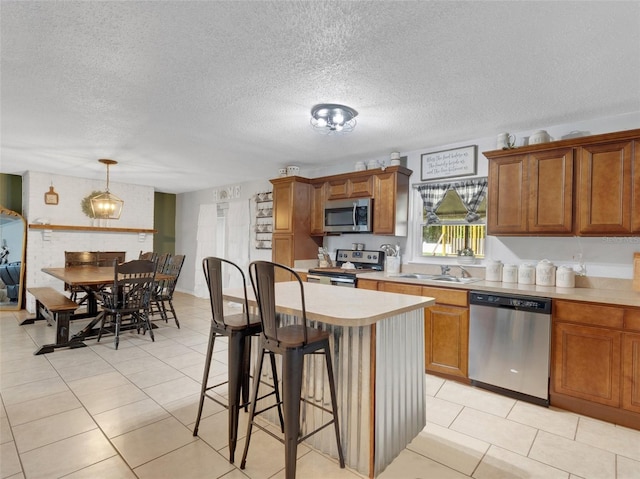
[
  {"x": 265, "y": 457},
  {"x": 433, "y": 384},
  {"x": 24, "y": 364},
  {"x": 94, "y": 368},
  {"x": 619, "y": 440},
  {"x": 314, "y": 465},
  {"x": 476, "y": 398},
  {"x": 213, "y": 429},
  {"x": 195, "y": 460},
  {"x": 185, "y": 360},
  {"x": 66, "y": 456},
  {"x": 510, "y": 435},
  {"x": 42, "y": 407},
  {"x": 102, "y": 401},
  {"x": 64, "y": 358},
  {"x": 173, "y": 390},
  {"x": 33, "y": 390},
  {"x": 150, "y": 442},
  {"x": 16, "y": 378},
  {"x": 47, "y": 430},
  {"x": 192, "y": 339},
  {"x": 99, "y": 383},
  {"x": 556, "y": 421},
  {"x": 441, "y": 412},
  {"x": 458, "y": 451},
  {"x": 112, "y": 468},
  {"x": 411, "y": 465},
  {"x": 166, "y": 349},
  {"x": 499, "y": 463},
  {"x": 5, "y": 430},
  {"x": 158, "y": 374},
  {"x": 577, "y": 458},
  {"x": 140, "y": 364},
  {"x": 118, "y": 421},
  {"x": 627, "y": 468},
  {"x": 185, "y": 410},
  {"x": 9, "y": 460},
  {"x": 114, "y": 356}
]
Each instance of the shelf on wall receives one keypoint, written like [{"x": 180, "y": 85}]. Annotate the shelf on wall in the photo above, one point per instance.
[{"x": 90, "y": 228}]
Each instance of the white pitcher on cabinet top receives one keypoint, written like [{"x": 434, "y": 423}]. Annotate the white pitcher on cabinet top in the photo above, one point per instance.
[{"x": 545, "y": 273}]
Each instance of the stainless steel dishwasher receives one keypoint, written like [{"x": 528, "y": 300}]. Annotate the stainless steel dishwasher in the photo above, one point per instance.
[{"x": 509, "y": 344}]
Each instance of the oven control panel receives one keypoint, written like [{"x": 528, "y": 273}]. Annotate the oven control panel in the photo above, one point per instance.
[{"x": 361, "y": 258}]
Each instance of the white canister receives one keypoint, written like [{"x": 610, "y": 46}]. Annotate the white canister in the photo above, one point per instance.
[
  {"x": 565, "y": 277},
  {"x": 545, "y": 273},
  {"x": 527, "y": 274},
  {"x": 509, "y": 273},
  {"x": 391, "y": 265},
  {"x": 493, "y": 271},
  {"x": 360, "y": 166}
]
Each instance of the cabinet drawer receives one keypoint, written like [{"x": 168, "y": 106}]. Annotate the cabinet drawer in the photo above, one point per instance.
[
  {"x": 401, "y": 288},
  {"x": 632, "y": 319},
  {"x": 447, "y": 296},
  {"x": 587, "y": 313},
  {"x": 368, "y": 284}
]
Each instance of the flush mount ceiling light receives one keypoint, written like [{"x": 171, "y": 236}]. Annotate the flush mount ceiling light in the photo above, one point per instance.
[
  {"x": 105, "y": 205},
  {"x": 331, "y": 119}
]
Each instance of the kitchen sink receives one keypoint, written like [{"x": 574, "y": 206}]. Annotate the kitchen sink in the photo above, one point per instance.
[{"x": 444, "y": 278}]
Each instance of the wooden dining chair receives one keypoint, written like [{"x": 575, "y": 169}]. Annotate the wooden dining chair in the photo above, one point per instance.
[
  {"x": 78, "y": 258},
  {"x": 129, "y": 297},
  {"x": 162, "y": 298}
]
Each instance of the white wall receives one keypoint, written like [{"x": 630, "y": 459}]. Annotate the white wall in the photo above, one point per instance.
[
  {"x": 47, "y": 249},
  {"x": 604, "y": 257},
  {"x": 187, "y": 212}
]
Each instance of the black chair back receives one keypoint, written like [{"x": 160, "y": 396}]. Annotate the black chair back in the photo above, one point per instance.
[
  {"x": 132, "y": 287},
  {"x": 263, "y": 279},
  {"x": 213, "y": 267}
]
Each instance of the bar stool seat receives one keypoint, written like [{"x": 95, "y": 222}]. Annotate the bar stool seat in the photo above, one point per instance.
[
  {"x": 293, "y": 343},
  {"x": 238, "y": 328}
]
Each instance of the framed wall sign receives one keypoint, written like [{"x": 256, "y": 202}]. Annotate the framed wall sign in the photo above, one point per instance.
[{"x": 449, "y": 163}]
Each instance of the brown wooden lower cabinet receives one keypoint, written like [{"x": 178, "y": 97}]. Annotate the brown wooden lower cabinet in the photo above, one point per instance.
[
  {"x": 595, "y": 359},
  {"x": 446, "y": 327}
]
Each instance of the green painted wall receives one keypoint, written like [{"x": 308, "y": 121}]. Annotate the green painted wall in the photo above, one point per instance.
[
  {"x": 164, "y": 221},
  {"x": 11, "y": 192}
]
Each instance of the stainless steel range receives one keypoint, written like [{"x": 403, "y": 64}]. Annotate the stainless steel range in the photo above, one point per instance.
[{"x": 363, "y": 261}]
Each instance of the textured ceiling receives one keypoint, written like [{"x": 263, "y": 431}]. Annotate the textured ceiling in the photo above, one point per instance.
[{"x": 189, "y": 95}]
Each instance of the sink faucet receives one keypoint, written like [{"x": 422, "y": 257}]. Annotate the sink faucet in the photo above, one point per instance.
[
  {"x": 465, "y": 273},
  {"x": 444, "y": 269}
]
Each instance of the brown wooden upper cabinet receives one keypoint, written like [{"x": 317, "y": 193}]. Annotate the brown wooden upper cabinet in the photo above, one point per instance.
[
  {"x": 389, "y": 189},
  {"x": 587, "y": 186}
]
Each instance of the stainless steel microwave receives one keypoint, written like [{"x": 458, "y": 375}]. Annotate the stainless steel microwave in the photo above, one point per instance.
[{"x": 348, "y": 216}]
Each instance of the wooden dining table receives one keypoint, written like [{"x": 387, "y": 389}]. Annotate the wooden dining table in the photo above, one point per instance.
[{"x": 91, "y": 279}]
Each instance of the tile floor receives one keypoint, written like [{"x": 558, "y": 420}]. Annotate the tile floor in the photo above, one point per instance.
[{"x": 100, "y": 413}]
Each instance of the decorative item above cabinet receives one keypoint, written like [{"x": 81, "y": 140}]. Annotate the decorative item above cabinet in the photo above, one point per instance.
[{"x": 586, "y": 186}]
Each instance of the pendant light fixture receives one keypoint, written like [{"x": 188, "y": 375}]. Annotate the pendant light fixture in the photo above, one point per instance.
[
  {"x": 106, "y": 205},
  {"x": 333, "y": 119}
]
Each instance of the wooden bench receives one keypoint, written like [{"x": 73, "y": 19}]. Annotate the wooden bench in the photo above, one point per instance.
[{"x": 55, "y": 307}]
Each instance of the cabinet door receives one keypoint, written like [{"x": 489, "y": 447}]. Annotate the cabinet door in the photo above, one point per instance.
[
  {"x": 551, "y": 192},
  {"x": 361, "y": 187},
  {"x": 635, "y": 205},
  {"x": 401, "y": 288},
  {"x": 283, "y": 207},
  {"x": 605, "y": 188},
  {"x": 337, "y": 189},
  {"x": 631, "y": 372},
  {"x": 446, "y": 340},
  {"x": 384, "y": 206},
  {"x": 587, "y": 363},
  {"x": 507, "y": 195},
  {"x": 317, "y": 209}
]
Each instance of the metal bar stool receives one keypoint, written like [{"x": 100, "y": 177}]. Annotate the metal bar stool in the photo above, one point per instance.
[
  {"x": 293, "y": 342},
  {"x": 238, "y": 328}
]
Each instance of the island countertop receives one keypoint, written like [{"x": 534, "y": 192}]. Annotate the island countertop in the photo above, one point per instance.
[{"x": 336, "y": 305}]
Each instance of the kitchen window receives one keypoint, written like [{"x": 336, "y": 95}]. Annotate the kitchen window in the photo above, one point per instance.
[{"x": 453, "y": 217}]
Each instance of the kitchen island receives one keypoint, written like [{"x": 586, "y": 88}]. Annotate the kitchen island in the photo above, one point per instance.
[{"x": 378, "y": 356}]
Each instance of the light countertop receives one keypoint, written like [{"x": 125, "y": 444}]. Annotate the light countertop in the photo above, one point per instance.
[
  {"x": 336, "y": 305},
  {"x": 617, "y": 296}
]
